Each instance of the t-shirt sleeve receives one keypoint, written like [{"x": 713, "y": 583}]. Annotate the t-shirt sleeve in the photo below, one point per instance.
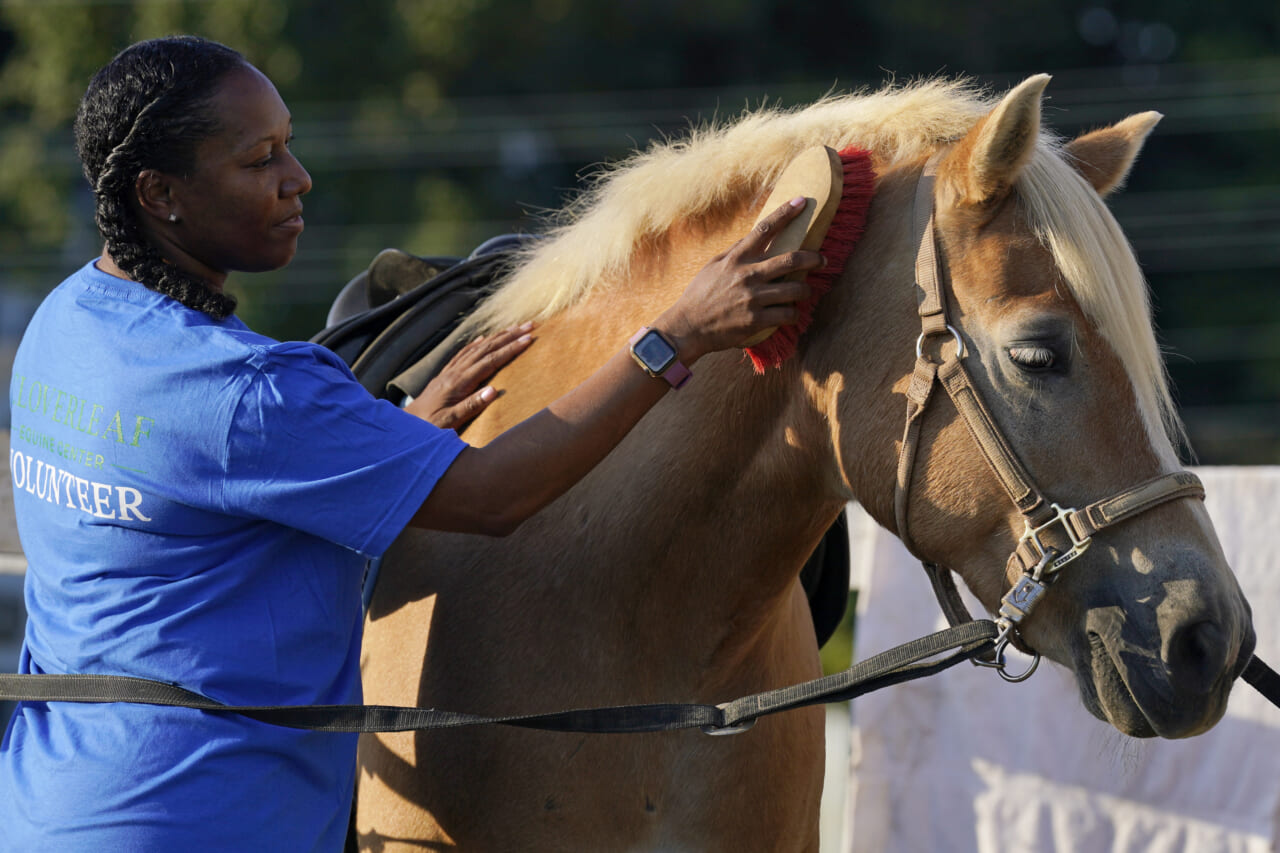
[{"x": 311, "y": 449}]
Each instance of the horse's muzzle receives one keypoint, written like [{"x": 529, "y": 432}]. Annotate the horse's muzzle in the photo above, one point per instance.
[{"x": 1172, "y": 681}]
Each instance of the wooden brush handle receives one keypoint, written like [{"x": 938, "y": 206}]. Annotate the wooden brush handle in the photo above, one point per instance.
[{"x": 818, "y": 175}]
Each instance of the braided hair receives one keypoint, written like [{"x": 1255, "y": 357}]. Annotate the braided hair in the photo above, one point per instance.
[{"x": 148, "y": 109}]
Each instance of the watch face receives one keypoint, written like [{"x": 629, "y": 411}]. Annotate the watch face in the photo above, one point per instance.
[{"x": 654, "y": 353}]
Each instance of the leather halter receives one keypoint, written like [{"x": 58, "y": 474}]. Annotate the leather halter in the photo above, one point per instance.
[{"x": 1053, "y": 536}]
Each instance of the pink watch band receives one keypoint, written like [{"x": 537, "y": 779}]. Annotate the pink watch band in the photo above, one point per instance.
[{"x": 677, "y": 374}]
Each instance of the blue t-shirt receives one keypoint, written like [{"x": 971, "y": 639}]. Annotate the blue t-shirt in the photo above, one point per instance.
[{"x": 196, "y": 503}]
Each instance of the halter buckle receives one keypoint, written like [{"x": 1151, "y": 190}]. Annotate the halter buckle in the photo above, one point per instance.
[{"x": 1032, "y": 534}]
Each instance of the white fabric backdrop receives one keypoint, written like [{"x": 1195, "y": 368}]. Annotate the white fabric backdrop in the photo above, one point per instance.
[{"x": 964, "y": 762}]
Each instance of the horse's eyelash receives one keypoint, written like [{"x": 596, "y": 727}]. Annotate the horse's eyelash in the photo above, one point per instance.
[{"x": 1031, "y": 356}]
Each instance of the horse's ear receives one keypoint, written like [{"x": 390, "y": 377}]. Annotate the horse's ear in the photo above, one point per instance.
[
  {"x": 1105, "y": 156},
  {"x": 986, "y": 162}
]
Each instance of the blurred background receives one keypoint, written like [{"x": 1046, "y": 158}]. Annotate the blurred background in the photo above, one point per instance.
[{"x": 430, "y": 125}]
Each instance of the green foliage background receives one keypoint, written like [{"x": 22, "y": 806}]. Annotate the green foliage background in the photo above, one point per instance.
[{"x": 433, "y": 124}]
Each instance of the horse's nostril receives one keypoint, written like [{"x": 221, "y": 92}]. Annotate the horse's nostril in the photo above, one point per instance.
[{"x": 1196, "y": 656}]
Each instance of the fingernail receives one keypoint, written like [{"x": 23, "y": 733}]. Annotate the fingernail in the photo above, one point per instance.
[
  {"x": 487, "y": 393},
  {"x": 524, "y": 327},
  {"x": 798, "y": 201},
  {"x": 524, "y": 339},
  {"x": 823, "y": 259}
]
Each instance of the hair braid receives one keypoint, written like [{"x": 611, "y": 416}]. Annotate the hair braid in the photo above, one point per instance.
[{"x": 149, "y": 109}]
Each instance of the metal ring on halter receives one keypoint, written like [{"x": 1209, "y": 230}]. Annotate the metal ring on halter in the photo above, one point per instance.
[
  {"x": 954, "y": 334},
  {"x": 998, "y": 662},
  {"x": 1002, "y": 666}
]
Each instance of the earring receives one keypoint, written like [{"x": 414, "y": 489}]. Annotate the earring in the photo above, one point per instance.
[{"x": 173, "y": 217}]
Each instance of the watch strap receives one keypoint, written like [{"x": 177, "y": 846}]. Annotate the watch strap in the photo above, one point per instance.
[{"x": 677, "y": 374}]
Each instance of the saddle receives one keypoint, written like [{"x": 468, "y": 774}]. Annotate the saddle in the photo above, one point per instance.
[{"x": 396, "y": 326}]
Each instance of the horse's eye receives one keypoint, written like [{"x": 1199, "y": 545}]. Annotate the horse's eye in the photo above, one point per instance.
[{"x": 1033, "y": 358}]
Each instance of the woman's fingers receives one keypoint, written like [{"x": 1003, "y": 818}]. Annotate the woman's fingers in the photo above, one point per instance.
[
  {"x": 485, "y": 356},
  {"x": 784, "y": 265},
  {"x": 455, "y": 397},
  {"x": 766, "y": 229},
  {"x": 465, "y": 411},
  {"x": 781, "y": 293},
  {"x": 480, "y": 359}
]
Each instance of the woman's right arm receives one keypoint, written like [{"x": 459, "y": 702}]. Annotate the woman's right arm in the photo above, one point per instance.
[{"x": 494, "y": 488}]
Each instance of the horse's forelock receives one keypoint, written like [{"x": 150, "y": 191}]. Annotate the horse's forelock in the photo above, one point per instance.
[{"x": 1099, "y": 267}]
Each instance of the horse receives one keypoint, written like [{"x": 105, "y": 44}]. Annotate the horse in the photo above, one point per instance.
[{"x": 670, "y": 572}]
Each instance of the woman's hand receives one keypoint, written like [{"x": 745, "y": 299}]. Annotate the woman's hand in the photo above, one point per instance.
[
  {"x": 736, "y": 295},
  {"x": 456, "y": 395}
]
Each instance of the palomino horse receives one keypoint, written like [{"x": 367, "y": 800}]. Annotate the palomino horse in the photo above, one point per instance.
[{"x": 670, "y": 573}]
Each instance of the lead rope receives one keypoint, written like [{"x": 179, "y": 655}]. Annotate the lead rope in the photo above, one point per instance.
[
  {"x": 1263, "y": 679},
  {"x": 906, "y": 662}
]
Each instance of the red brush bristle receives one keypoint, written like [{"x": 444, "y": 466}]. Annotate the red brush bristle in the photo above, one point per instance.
[{"x": 846, "y": 229}]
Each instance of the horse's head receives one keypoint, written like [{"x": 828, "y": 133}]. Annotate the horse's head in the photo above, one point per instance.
[{"x": 1048, "y": 304}]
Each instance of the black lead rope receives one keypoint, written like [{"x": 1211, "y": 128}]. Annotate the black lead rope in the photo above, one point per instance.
[
  {"x": 1263, "y": 679},
  {"x": 909, "y": 661}
]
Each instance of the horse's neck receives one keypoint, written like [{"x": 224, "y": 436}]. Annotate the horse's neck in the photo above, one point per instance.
[
  {"x": 858, "y": 354},
  {"x": 731, "y": 467},
  {"x": 706, "y": 512},
  {"x": 821, "y": 430}
]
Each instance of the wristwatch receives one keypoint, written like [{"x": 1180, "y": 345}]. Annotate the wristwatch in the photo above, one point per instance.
[{"x": 657, "y": 356}]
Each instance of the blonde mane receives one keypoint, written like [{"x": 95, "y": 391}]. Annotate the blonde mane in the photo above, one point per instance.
[
  {"x": 630, "y": 203},
  {"x": 715, "y": 165}
]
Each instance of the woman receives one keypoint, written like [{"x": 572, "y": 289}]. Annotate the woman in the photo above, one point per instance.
[{"x": 197, "y": 502}]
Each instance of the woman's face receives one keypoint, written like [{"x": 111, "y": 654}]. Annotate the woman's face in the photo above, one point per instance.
[{"x": 240, "y": 208}]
